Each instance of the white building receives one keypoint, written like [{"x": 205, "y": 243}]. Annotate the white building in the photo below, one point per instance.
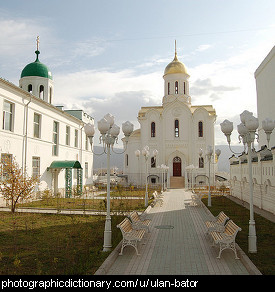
[
  {"x": 263, "y": 161},
  {"x": 176, "y": 129},
  {"x": 44, "y": 139},
  {"x": 265, "y": 84}
]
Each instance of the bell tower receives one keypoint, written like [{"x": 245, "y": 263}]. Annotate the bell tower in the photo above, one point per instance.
[
  {"x": 176, "y": 81},
  {"x": 36, "y": 78}
]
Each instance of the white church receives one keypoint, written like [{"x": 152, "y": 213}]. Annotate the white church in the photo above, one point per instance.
[
  {"x": 44, "y": 139},
  {"x": 179, "y": 131}
]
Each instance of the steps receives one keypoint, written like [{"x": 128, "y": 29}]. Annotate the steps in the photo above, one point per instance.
[{"x": 176, "y": 182}]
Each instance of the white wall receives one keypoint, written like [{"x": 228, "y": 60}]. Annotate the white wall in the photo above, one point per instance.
[{"x": 265, "y": 85}]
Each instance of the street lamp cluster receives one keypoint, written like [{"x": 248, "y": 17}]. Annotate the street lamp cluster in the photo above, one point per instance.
[
  {"x": 247, "y": 133},
  {"x": 164, "y": 171},
  {"x": 209, "y": 154},
  {"x": 146, "y": 153},
  {"x": 109, "y": 135}
]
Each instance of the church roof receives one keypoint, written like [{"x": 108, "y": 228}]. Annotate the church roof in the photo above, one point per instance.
[
  {"x": 193, "y": 108},
  {"x": 175, "y": 67},
  {"x": 36, "y": 68}
]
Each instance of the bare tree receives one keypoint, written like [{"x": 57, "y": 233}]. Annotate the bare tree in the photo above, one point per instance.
[{"x": 14, "y": 184}]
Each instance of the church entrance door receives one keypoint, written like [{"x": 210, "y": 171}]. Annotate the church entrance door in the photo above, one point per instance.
[{"x": 177, "y": 166}]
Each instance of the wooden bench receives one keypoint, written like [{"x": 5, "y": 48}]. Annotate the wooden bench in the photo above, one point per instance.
[
  {"x": 218, "y": 223},
  {"x": 157, "y": 198},
  {"x": 130, "y": 235},
  {"x": 196, "y": 200},
  {"x": 226, "y": 239},
  {"x": 139, "y": 223}
]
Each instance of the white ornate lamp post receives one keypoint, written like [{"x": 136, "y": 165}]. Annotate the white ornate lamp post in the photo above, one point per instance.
[
  {"x": 163, "y": 170},
  {"x": 165, "y": 175},
  {"x": 190, "y": 169},
  {"x": 146, "y": 153},
  {"x": 268, "y": 126},
  {"x": 209, "y": 155},
  {"x": 247, "y": 132},
  {"x": 109, "y": 135}
]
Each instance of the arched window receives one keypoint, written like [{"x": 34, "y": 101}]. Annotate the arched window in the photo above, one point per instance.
[
  {"x": 201, "y": 162},
  {"x": 30, "y": 88},
  {"x": 177, "y": 130},
  {"x": 126, "y": 160},
  {"x": 176, "y": 87},
  {"x": 200, "y": 129},
  {"x": 41, "y": 92},
  {"x": 153, "y": 162},
  {"x": 153, "y": 129},
  {"x": 184, "y": 88},
  {"x": 168, "y": 88}
]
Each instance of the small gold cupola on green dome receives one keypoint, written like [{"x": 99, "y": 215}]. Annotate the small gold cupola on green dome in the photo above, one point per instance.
[{"x": 36, "y": 68}]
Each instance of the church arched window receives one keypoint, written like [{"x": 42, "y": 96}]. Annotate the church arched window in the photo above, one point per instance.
[
  {"x": 200, "y": 129},
  {"x": 153, "y": 162},
  {"x": 30, "y": 88},
  {"x": 153, "y": 129},
  {"x": 184, "y": 88},
  {"x": 41, "y": 91},
  {"x": 126, "y": 160},
  {"x": 176, "y": 87},
  {"x": 201, "y": 162},
  {"x": 177, "y": 130},
  {"x": 168, "y": 88}
]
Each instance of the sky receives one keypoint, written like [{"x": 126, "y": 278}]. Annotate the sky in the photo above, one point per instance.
[{"x": 108, "y": 56}]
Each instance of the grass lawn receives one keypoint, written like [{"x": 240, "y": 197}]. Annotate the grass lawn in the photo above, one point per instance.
[
  {"x": 264, "y": 259},
  {"x": 44, "y": 244},
  {"x": 116, "y": 204}
]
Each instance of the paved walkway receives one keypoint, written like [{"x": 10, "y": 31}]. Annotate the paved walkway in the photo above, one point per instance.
[{"x": 177, "y": 244}]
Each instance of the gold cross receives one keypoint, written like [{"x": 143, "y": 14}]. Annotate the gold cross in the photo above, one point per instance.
[{"x": 37, "y": 43}]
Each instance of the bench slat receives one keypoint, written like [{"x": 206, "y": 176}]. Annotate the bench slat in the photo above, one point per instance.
[
  {"x": 226, "y": 239},
  {"x": 138, "y": 222},
  {"x": 130, "y": 235}
]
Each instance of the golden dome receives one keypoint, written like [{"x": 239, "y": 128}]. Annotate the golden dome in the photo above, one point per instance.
[{"x": 175, "y": 67}]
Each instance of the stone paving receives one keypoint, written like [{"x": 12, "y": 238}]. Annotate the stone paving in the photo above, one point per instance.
[{"x": 177, "y": 244}]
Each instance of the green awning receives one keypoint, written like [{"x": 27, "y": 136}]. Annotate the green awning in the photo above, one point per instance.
[{"x": 65, "y": 164}]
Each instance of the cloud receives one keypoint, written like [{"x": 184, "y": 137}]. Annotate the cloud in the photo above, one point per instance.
[
  {"x": 204, "y": 87},
  {"x": 202, "y": 48},
  {"x": 121, "y": 93}
]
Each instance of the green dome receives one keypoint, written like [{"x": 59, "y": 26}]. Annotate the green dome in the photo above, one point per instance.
[{"x": 36, "y": 68}]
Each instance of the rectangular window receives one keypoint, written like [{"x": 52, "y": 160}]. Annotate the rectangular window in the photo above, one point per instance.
[
  {"x": 36, "y": 125},
  {"x": 68, "y": 135},
  {"x": 35, "y": 166},
  {"x": 6, "y": 160},
  {"x": 55, "y": 138},
  {"x": 8, "y": 113},
  {"x": 87, "y": 143},
  {"x": 76, "y": 138}
]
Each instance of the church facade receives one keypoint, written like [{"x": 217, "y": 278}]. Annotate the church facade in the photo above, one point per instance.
[
  {"x": 178, "y": 130},
  {"x": 44, "y": 139}
]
